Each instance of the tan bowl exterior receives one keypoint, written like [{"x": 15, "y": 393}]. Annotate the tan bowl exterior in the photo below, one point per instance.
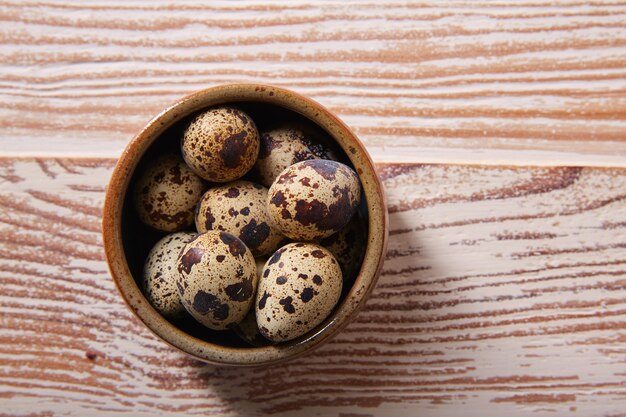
[{"x": 209, "y": 352}]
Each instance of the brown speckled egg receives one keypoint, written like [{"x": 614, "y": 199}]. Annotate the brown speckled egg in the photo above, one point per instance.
[
  {"x": 166, "y": 194},
  {"x": 299, "y": 287},
  {"x": 221, "y": 144},
  {"x": 240, "y": 208},
  {"x": 313, "y": 199},
  {"x": 283, "y": 147},
  {"x": 348, "y": 246},
  {"x": 160, "y": 274},
  {"x": 217, "y": 279}
]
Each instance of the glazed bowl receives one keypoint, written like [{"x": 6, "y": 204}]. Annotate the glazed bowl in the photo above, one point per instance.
[{"x": 127, "y": 241}]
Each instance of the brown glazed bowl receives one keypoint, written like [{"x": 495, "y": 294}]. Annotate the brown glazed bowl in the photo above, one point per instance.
[{"x": 127, "y": 242}]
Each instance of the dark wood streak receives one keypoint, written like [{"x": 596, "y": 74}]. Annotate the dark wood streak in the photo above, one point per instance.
[
  {"x": 81, "y": 208},
  {"x": 19, "y": 206},
  {"x": 546, "y": 181},
  {"x": 501, "y": 219}
]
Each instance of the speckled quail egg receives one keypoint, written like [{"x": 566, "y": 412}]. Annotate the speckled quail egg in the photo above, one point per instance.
[
  {"x": 240, "y": 208},
  {"x": 166, "y": 194},
  {"x": 283, "y": 147},
  {"x": 300, "y": 285},
  {"x": 217, "y": 279},
  {"x": 160, "y": 274},
  {"x": 313, "y": 199},
  {"x": 348, "y": 246},
  {"x": 221, "y": 144}
]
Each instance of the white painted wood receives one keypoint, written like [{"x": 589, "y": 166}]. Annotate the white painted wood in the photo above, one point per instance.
[
  {"x": 503, "y": 291},
  {"x": 432, "y": 79}
]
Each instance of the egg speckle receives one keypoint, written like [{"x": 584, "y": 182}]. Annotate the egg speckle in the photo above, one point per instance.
[
  {"x": 166, "y": 194},
  {"x": 300, "y": 285},
  {"x": 313, "y": 199},
  {"x": 221, "y": 144},
  {"x": 217, "y": 279},
  {"x": 160, "y": 274},
  {"x": 240, "y": 208},
  {"x": 283, "y": 147}
]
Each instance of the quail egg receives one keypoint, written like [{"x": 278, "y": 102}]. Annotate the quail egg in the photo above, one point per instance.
[
  {"x": 283, "y": 147},
  {"x": 240, "y": 208},
  {"x": 166, "y": 194},
  {"x": 221, "y": 144},
  {"x": 348, "y": 246},
  {"x": 217, "y": 279},
  {"x": 313, "y": 199},
  {"x": 300, "y": 285},
  {"x": 160, "y": 274}
]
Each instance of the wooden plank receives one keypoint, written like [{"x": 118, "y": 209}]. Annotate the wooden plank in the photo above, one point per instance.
[
  {"x": 502, "y": 293},
  {"x": 529, "y": 82}
]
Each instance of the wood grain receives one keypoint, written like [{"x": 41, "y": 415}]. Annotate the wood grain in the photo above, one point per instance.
[
  {"x": 503, "y": 292},
  {"x": 498, "y": 129},
  {"x": 481, "y": 82}
]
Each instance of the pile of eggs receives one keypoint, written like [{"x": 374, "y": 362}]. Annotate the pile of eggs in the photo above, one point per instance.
[{"x": 263, "y": 231}]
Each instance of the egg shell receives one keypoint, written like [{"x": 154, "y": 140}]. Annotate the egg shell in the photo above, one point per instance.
[
  {"x": 348, "y": 247},
  {"x": 221, "y": 144},
  {"x": 300, "y": 285},
  {"x": 240, "y": 208},
  {"x": 283, "y": 147},
  {"x": 313, "y": 199},
  {"x": 166, "y": 194},
  {"x": 217, "y": 279},
  {"x": 160, "y": 274},
  {"x": 318, "y": 140}
]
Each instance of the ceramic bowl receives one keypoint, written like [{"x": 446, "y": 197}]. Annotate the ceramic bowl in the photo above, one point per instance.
[{"x": 126, "y": 241}]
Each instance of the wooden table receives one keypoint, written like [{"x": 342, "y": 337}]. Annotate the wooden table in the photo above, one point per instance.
[{"x": 499, "y": 133}]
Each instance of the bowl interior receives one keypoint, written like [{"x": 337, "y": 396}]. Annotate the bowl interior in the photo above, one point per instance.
[{"x": 138, "y": 239}]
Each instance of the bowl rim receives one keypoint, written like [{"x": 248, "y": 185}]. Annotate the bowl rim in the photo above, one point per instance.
[{"x": 248, "y": 356}]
